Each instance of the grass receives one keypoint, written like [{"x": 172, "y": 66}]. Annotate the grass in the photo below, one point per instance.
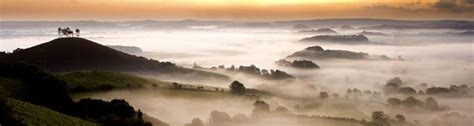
[
  {"x": 97, "y": 80},
  {"x": 10, "y": 87},
  {"x": 345, "y": 108},
  {"x": 33, "y": 115}
]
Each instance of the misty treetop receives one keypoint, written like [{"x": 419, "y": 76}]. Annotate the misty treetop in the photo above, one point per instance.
[
  {"x": 252, "y": 70},
  {"x": 303, "y": 64}
]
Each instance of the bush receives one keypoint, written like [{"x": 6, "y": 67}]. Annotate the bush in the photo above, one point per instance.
[{"x": 237, "y": 88}]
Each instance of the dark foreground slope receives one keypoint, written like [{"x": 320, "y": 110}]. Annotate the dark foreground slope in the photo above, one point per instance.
[
  {"x": 25, "y": 113},
  {"x": 73, "y": 54},
  {"x": 36, "y": 86}
]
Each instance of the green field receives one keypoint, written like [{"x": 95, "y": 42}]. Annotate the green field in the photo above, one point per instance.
[
  {"x": 33, "y": 115},
  {"x": 98, "y": 80}
]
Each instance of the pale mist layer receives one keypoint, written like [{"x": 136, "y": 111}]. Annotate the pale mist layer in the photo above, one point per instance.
[{"x": 437, "y": 61}]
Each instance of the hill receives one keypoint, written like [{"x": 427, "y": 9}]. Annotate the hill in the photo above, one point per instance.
[
  {"x": 319, "y": 31},
  {"x": 317, "y": 52},
  {"x": 30, "y": 114},
  {"x": 73, "y": 54},
  {"x": 348, "y": 39},
  {"x": 105, "y": 80},
  {"x": 369, "y": 33},
  {"x": 126, "y": 49}
]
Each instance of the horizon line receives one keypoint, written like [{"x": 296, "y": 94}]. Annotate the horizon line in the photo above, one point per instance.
[{"x": 230, "y": 20}]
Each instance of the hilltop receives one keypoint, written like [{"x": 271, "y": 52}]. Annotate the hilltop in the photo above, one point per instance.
[
  {"x": 317, "y": 52},
  {"x": 349, "y": 39},
  {"x": 320, "y": 31},
  {"x": 74, "y": 54}
]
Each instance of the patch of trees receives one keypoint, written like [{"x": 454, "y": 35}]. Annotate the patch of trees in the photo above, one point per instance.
[
  {"x": 393, "y": 86},
  {"x": 381, "y": 119},
  {"x": 411, "y": 102},
  {"x": 304, "y": 64},
  {"x": 117, "y": 112},
  {"x": 255, "y": 71},
  {"x": 452, "y": 91},
  {"x": 39, "y": 86},
  {"x": 195, "y": 122},
  {"x": 354, "y": 92},
  {"x": 323, "y": 95},
  {"x": 237, "y": 88}
]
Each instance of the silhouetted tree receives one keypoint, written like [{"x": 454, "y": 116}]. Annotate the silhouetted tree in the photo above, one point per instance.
[
  {"x": 394, "y": 102},
  {"x": 400, "y": 118},
  {"x": 407, "y": 91},
  {"x": 391, "y": 88},
  {"x": 237, "y": 88},
  {"x": 412, "y": 102},
  {"x": 195, "y": 122},
  {"x": 380, "y": 119},
  {"x": 395, "y": 80},
  {"x": 323, "y": 95},
  {"x": 261, "y": 109},
  {"x": 282, "y": 110},
  {"x": 219, "y": 118},
  {"x": 431, "y": 103}
]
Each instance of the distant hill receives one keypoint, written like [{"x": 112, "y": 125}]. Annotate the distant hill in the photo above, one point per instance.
[
  {"x": 73, "y": 54},
  {"x": 320, "y": 31},
  {"x": 347, "y": 27},
  {"x": 317, "y": 52},
  {"x": 369, "y": 33},
  {"x": 348, "y": 39},
  {"x": 467, "y": 33},
  {"x": 301, "y": 26},
  {"x": 126, "y": 49},
  {"x": 383, "y": 23}
]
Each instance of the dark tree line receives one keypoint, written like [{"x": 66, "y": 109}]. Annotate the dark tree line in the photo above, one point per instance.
[
  {"x": 411, "y": 102},
  {"x": 253, "y": 70},
  {"x": 305, "y": 64},
  {"x": 393, "y": 86},
  {"x": 117, "y": 112}
]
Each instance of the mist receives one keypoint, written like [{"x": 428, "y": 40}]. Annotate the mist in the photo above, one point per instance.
[{"x": 430, "y": 56}]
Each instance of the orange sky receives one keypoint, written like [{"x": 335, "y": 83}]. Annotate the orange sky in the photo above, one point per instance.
[{"x": 233, "y": 9}]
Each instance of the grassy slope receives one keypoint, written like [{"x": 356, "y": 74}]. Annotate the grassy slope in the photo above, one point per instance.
[
  {"x": 33, "y": 115},
  {"x": 10, "y": 87},
  {"x": 95, "y": 79}
]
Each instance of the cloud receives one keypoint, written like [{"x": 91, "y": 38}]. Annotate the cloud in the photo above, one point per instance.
[{"x": 454, "y": 5}]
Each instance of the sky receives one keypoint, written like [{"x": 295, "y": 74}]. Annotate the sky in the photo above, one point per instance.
[{"x": 242, "y": 10}]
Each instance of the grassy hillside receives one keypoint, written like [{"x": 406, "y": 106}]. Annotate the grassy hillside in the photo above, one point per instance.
[
  {"x": 93, "y": 80},
  {"x": 33, "y": 115},
  {"x": 10, "y": 87},
  {"x": 99, "y": 80},
  {"x": 74, "y": 54}
]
